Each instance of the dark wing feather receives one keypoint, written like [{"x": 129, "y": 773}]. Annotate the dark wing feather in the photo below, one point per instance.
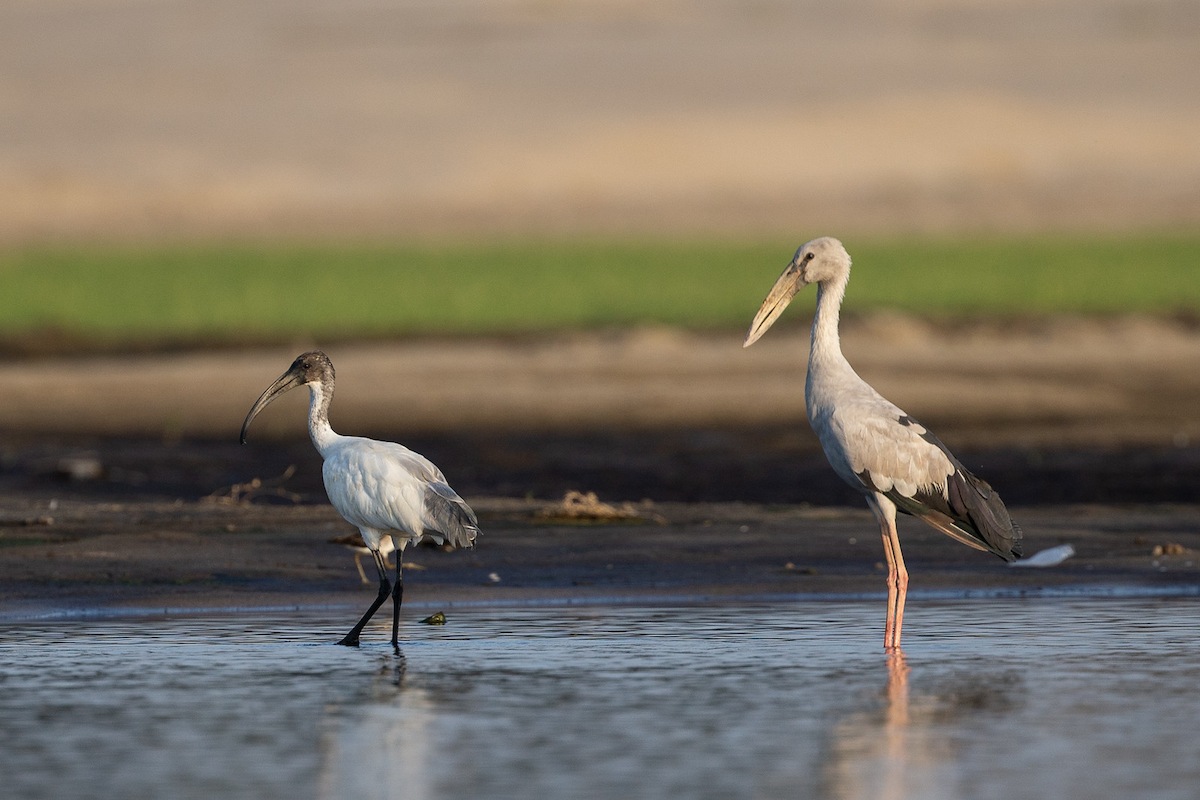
[
  {"x": 449, "y": 515},
  {"x": 974, "y": 514},
  {"x": 966, "y": 508}
]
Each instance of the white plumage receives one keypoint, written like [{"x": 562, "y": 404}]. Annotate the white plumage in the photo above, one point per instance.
[
  {"x": 382, "y": 488},
  {"x": 872, "y": 444}
]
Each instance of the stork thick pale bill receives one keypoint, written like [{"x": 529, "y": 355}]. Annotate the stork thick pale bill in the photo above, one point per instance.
[
  {"x": 787, "y": 287},
  {"x": 383, "y": 489},
  {"x": 874, "y": 446}
]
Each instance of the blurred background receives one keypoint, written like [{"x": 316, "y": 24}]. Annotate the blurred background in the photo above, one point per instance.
[
  {"x": 174, "y": 118},
  {"x": 556, "y": 216}
]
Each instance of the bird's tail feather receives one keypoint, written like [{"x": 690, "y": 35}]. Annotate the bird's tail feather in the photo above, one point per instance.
[
  {"x": 986, "y": 514},
  {"x": 449, "y": 515}
]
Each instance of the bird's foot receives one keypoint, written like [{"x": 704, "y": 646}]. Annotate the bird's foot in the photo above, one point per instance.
[{"x": 349, "y": 641}]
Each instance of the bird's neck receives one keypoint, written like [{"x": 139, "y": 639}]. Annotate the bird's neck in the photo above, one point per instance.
[
  {"x": 826, "y": 347},
  {"x": 320, "y": 395},
  {"x": 827, "y": 367}
]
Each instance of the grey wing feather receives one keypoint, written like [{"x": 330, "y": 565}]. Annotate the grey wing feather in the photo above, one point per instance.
[{"x": 449, "y": 515}]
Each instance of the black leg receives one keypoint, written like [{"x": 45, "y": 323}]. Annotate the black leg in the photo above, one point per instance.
[
  {"x": 351, "y": 638},
  {"x": 397, "y": 598}
]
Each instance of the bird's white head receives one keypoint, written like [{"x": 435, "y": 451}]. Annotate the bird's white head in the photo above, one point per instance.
[
  {"x": 822, "y": 261},
  {"x": 313, "y": 367}
]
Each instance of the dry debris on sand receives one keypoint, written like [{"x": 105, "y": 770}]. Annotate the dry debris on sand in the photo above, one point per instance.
[{"x": 579, "y": 507}]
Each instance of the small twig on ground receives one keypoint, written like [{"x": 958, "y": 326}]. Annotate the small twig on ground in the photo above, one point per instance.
[{"x": 244, "y": 493}]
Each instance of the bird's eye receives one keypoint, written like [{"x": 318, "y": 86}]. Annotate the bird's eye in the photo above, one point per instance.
[{"x": 808, "y": 257}]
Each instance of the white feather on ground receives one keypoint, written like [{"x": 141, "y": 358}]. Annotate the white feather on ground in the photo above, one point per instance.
[{"x": 1050, "y": 557}]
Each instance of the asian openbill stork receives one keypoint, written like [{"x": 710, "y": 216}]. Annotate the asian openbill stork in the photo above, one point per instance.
[{"x": 874, "y": 446}]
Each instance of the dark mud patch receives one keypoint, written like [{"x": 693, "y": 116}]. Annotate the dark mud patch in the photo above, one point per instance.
[{"x": 759, "y": 465}]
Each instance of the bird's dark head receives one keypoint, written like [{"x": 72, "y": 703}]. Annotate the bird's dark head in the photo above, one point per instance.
[
  {"x": 311, "y": 368},
  {"x": 822, "y": 260}
]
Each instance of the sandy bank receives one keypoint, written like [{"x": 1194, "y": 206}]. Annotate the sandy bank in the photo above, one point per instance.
[{"x": 1050, "y": 383}]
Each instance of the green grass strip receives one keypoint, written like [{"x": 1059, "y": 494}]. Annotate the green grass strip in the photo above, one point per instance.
[{"x": 237, "y": 291}]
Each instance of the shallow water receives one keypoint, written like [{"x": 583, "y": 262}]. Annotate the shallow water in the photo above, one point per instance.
[{"x": 1047, "y": 698}]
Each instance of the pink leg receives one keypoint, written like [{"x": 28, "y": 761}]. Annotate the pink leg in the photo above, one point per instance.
[
  {"x": 897, "y": 580},
  {"x": 889, "y": 631},
  {"x": 901, "y": 583}
]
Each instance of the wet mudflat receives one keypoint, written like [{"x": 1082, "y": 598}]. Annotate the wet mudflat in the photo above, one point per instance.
[
  {"x": 106, "y": 557},
  {"x": 590, "y": 669},
  {"x": 1003, "y": 698}
]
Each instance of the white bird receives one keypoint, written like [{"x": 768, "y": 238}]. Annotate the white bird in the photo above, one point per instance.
[
  {"x": 873, "y": 445},
  {"x": 383, "y": 489}
]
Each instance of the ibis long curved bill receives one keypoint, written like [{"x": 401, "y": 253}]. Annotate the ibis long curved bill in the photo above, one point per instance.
[
  {"x": 789, "y": 283},
  {"x": 287, "y": 381}
]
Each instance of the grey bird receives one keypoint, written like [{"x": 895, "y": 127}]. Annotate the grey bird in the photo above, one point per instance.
[{"x": 874, "y": 446}]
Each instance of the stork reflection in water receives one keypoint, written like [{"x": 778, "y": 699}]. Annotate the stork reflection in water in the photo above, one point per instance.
[
  {"x": 884, "y": 453},
  {"x": 382, "y": 488}
]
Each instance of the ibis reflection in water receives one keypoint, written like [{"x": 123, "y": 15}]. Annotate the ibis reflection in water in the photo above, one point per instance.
[
  {"x": 874, "y": 446},
  {"x": 383, "y": 489}
]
